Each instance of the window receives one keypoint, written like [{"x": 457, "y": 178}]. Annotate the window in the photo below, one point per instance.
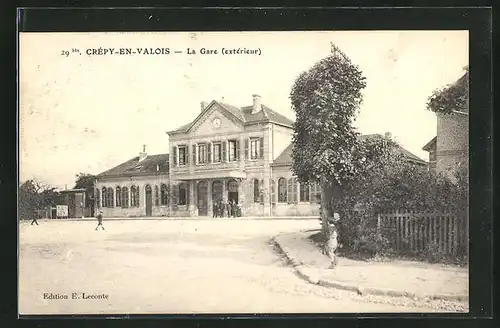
[
  {"x": 217, "y": 152},
  {"x": 182, "y": 194},
  {"x": 254, "y": 148},
  {"x": 157, "y": 196},
  {"x": 164, "y": 194},
  {"x": 282, "y": 190},
  {"x": 137, "y": 198},
  {"x": 182, "y": 155},
  {"x": 256, "y": 192},
  {"x": 304, "y": 192},
  {"x": 315, "y": 193},
  {"x": 118, "y": 197},
  {"x": 202, "y": 153},
  {"x": 124, "y": 197},
  {"x": 133, "y": 196},
  {"x": 97, "y": 198},
  {"x": 110, "y": 202},
  {"x": 104, "y": 197},
  {"x": 232, "y": 151}
]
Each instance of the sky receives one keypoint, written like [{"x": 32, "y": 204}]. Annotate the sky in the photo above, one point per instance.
[{"x": 88, "y": 113}]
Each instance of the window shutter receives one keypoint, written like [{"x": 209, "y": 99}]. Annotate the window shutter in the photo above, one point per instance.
[
  {"x": 261, "y": 151},
  {"x": 137, "y": 196},
  {"x": 193, "y": 149},
  {"x": 209, "y": 152},
  {"x": 273, "y": 191},
  {"x": 237, "y": 150},
  {"x": 188, "y": 196},
  {"x": 174, "y": 155},
  {"x": 246, "y": 149},
  {"x": 224, "y": 151}
]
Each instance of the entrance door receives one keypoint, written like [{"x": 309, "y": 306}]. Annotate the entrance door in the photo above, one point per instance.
[
  {"x": 149, "y": 201},
  {"x": 232, "y": 191},
  {"x": 202, "y": 198}
]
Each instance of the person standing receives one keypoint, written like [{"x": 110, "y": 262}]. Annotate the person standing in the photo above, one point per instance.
[
  {"x": 331, "y": 244},
  {"x": 222, "y": 208},
  {"x": 34, "y": 216},
  {"x": 99, "y": 221},
  {"x": 215, "y": 209},
  {"x": 228, "y": 208}
]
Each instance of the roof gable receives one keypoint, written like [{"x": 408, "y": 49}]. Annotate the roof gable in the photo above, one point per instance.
[
  {"x": 430, "y": 145},
  {"x": 238, "y": 115},
  {"x": 229, "y": 122}
]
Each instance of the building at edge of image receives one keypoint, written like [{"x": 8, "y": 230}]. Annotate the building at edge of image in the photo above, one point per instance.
[{"x": 226, "y": 153}]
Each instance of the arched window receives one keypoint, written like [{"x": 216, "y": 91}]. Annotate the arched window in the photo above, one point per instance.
[
  {"x": 157, "y": 196},
  {"x": 104, "y": 197},
  {"x": 182, "y": 194},
  {"x": 118, "y": 197},
  {"x": 97, "y": 199},
  {"x": 137, "y": 197},
  {"x": 124, "y": 197},
  {"x": 304, "y": 192},
  {"x": 256, "y": 191},
  {"x": 111, "y": 199},
  {"x": 164, "y": 194},
  {"x": 133, "y": 196},
  {"x": 282, "y": 190}
]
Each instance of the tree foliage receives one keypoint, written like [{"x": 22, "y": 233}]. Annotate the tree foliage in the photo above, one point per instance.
[
  {"x": 390, "y": 183},
  {"x": 34, "y": 196},
  {"x": 325, "y": 99},
  {"x": 454, "y": 97}
]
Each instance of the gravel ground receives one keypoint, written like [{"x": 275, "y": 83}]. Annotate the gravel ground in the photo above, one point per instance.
[{"x": 177, "y": 267}]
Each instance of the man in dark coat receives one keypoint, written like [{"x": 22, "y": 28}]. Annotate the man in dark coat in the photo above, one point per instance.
[
  {"x": 215, "y": 209},
  {"x": 34, "y": 216},
  {"x": 99, "y": 221}
]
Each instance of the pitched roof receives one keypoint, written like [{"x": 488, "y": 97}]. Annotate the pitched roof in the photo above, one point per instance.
[
  {"x": 428, "y": 146},
  {"x": 244, "y": 114},
  {"x": 285, "y": 158},
  {"x": 152, "y": 164}
]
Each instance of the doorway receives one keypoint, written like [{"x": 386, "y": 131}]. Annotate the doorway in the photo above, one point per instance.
[
  {"x": 202, "y": 198},
  {"x": 232, "y": 191},
  {"x": 149, "y": 201}
]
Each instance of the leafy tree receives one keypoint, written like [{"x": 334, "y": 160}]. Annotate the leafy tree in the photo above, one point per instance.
[
  {"x": 454, "y": 97},
  {"x": 34, "y": 195},
  {"x": 325, "y": 99}
]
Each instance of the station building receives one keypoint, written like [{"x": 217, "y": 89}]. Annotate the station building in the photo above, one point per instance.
[{"x": 226, "y": 153}]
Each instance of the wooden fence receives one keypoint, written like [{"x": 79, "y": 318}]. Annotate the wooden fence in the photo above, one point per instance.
[{"x": 411, "y": 232}]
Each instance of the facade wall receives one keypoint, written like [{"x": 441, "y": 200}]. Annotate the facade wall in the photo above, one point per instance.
[
  {"x": 290, "y": 207},
  {"x": 452, "y": 141},
  {"x": 138, "y": 181}
]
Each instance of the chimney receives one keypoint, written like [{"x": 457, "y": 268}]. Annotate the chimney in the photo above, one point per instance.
[
  {"x": 257, "y": 104},
  {"x": 143, "y": 154},
  {"x": 388, "y": 135},
  {"x": 204, "y": 105}
]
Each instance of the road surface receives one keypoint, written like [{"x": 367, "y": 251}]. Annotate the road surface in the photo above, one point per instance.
[{"x": 171, "y": 266}]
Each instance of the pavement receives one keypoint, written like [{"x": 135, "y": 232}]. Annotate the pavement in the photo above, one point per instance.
[
  {"x": 416, "y": 280},
  {"x": 176, "y": 267}
]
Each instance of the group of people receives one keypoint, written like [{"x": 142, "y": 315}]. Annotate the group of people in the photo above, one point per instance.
[{"x": 226, "y": 209}]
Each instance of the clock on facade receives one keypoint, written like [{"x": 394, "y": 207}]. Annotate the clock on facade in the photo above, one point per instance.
[{"x": 216, "y": 122}]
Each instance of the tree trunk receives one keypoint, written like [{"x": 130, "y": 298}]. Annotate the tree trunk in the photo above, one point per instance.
[{"x": 327, "y": 210}]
